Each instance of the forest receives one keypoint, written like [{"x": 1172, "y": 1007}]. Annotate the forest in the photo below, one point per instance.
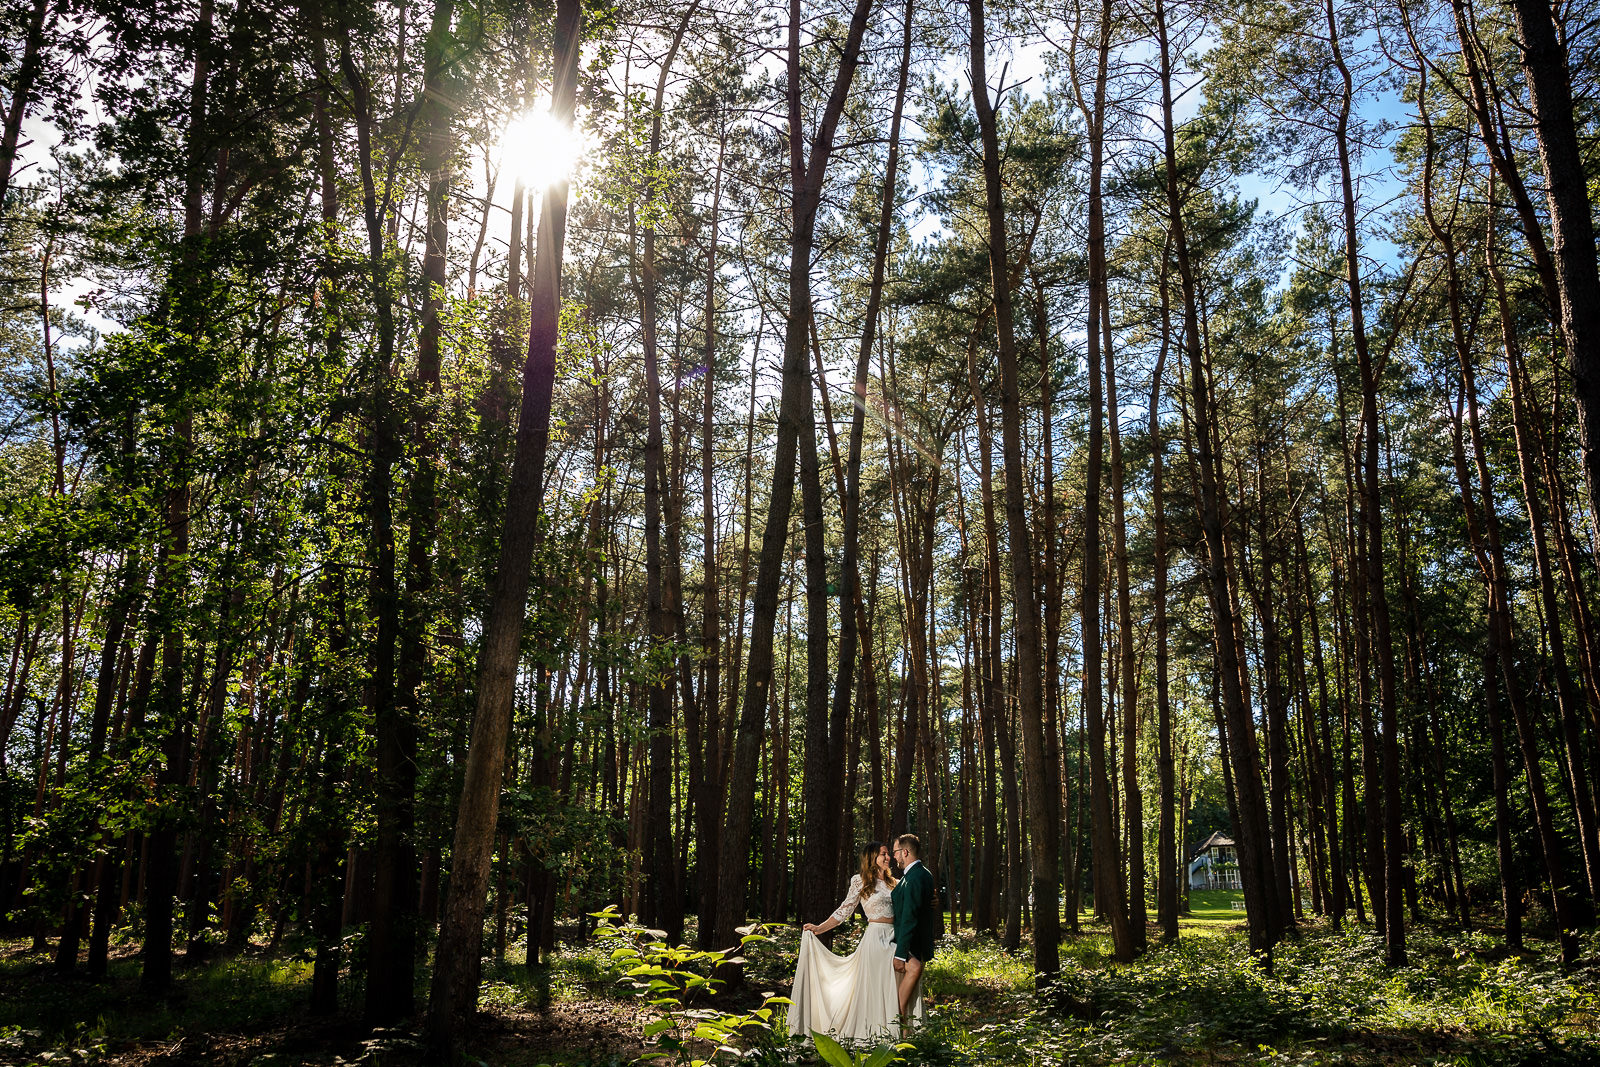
[{"x": 500, "y": 499}]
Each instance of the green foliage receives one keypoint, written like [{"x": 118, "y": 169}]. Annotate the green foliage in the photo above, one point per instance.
[
  {"x": 94, "y": 807},
  {"x": 230, "y": 995},
  {"x": 569, "y": 838},
  {"x": 837, "y": 1056},
  {"x": 975, "y": 969},
  {"x": 633, "y": 175},
  {"x": 1328, "y": 998},
  {"x": 671, "y": 979}
]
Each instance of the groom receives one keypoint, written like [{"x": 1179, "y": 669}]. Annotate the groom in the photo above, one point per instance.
[{"x": 915, "y": 922}]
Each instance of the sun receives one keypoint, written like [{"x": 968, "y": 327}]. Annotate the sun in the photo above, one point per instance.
[{"x": 539, "y": 150}]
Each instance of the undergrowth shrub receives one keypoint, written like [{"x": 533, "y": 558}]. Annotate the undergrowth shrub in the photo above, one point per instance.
[
  {"x": 1328, "y": 998},
  {"x": 672, "y": 979}
]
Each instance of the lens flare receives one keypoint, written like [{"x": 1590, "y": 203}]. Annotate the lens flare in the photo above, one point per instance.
[{"x": 539, "y": 150}]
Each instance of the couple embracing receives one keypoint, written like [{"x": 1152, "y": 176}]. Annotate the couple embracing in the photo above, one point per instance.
[{"x": 875, "y": 993}]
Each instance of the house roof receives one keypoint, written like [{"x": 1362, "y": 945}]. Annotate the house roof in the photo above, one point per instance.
[{"x": 1216, "y": 840}]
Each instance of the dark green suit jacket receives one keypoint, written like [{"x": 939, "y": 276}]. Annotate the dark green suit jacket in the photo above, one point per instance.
[{"x": 915, "y": 922}]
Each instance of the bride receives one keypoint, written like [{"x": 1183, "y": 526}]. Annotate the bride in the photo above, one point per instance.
[{"x": 853, "y": 998}]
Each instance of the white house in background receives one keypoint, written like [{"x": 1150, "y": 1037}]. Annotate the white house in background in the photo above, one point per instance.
[{"x": 1216, "y": 865}]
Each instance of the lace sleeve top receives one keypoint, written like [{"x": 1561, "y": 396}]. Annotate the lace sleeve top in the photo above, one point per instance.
[{"x": 876, "y": 904}]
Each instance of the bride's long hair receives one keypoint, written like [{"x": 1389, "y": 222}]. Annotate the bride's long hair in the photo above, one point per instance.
[{"x": 869, "y": 867}]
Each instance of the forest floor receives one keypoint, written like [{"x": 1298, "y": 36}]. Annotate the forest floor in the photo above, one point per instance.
[{"x": 1329, "y": 1000}]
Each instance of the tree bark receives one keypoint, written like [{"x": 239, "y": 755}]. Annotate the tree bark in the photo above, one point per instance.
[
  {"x": 708, "y": 797},
  {"x": 1043, "y": 795},
  {"x": 1133, "y": 796},
  {"x": 455, "y": 986},
  {"x": 1110, "y": 895},
  {"x": 794, "y": 417},
  {"x": 22, "y": 94},
  {"x": 662, "y": 904},
  {"x": 161, "y": 879},
  {"x": 1378, "y": 605},
  {"x": 1549, "y": 81},
  {"x": 1167, "y": 835},
  {"x": 1233, "y": 698}
]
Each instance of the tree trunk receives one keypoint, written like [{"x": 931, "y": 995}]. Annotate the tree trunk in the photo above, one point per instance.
[
  {"x": 21, "y": 92},
  {"x": 391, "y": 955},
  {"x": 327, "y": 868},
  {"x": 662, "y": 905},
  {"x": 1568, "y": 698},
  {"x": 1133, "y": 796},
  {"x": 130, "y": 585},
  {"x": 708, "y": 796},
  {"x": 172, "y": 567},
  {"x": 992, "y": 700},
  {"x": 1234, "y": 711},
  {"x": 1325, "y": 769},
  {"x": 455, "y": 987},
  {"x": 854, "y": 623},
  {"x": 794, "y": 416},
  {"x": 1276, "y": 711},
  {"x": 1043, "y": 796},
  {"x": 1167, "y": 835},
  {"x": 391, "y": 961},
  {"x": 1378, "y": 606},
  {"x": 1501, "y": 640},
  {"x": 1110, "y": 895},
  {"x": 1053, "y": 594},
  {"x": 1549, "y": 81}
]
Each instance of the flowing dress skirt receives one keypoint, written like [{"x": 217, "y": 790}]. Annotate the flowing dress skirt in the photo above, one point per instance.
[{"x": 851, "y": 998}]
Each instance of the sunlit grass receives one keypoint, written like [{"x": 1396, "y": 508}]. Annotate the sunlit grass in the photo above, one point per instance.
[
  {"x": 1091, "y": 949},
  {"x": 234, "y": 994},
  {"x": 1212, "y": 914},
  {"x": 1212, "y": 906},
  {"x": 573, "y": 972},
  {"x": 1327, "y": 998},
  {"x": 968, "y": 967}
]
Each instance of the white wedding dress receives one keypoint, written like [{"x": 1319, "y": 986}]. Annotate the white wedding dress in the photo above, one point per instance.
[{"x": 853, "y": 998}]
